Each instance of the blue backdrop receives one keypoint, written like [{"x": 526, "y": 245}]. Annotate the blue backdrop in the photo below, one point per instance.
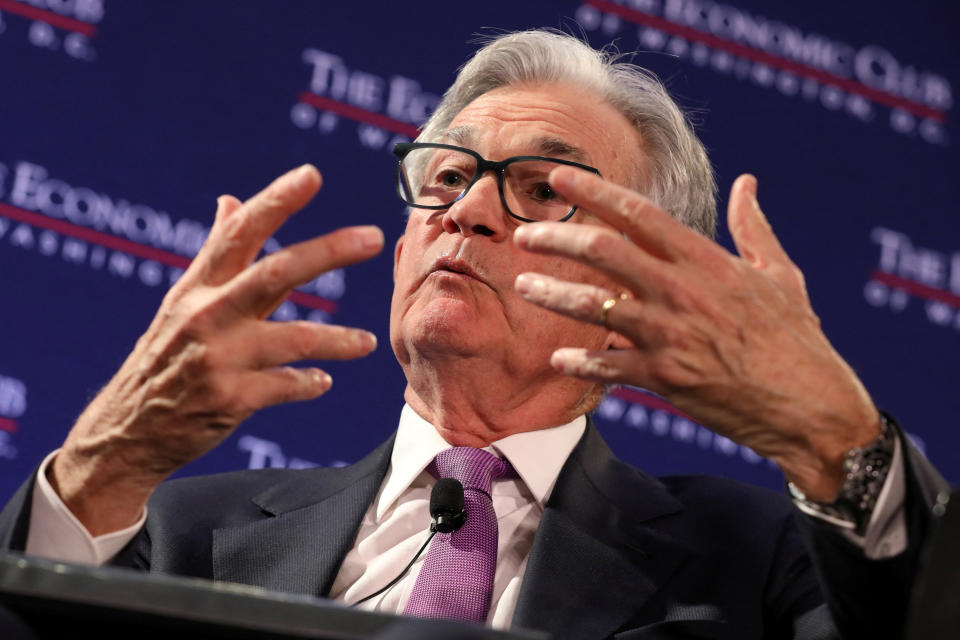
[{"x": 121, "y": 122}]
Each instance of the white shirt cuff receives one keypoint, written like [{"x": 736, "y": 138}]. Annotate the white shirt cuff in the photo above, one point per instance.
[{"x": 55, "y": 533}]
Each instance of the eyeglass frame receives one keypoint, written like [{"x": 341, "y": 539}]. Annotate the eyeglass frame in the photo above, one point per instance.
[{"x": 403, "y": 149}]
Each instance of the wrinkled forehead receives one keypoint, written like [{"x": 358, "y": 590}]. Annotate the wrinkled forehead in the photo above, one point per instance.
[{"x": 533, "y": 144}]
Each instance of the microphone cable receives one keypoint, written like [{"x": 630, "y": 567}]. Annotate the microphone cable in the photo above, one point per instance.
[{"x": 446, "y": 509}]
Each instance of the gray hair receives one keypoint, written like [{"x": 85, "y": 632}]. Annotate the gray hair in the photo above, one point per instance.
[{"x": 680, "y": 178}]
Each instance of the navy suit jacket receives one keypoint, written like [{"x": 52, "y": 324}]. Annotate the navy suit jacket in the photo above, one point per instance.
[{"x": 617, "y": 553}]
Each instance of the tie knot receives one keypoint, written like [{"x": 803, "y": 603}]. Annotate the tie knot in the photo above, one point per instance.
[{"x": 473, "y": 468}]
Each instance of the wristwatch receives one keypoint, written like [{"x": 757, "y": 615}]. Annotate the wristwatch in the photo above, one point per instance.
[{"x": 865, "y": 469}]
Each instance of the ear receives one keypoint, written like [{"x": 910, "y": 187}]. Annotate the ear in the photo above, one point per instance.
[{"x": 397, "y": 248}]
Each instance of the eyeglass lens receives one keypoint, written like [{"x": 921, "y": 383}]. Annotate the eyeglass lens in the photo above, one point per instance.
[{"x": 436, "y": 177}]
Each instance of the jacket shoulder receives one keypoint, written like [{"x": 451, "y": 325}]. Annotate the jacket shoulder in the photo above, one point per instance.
[
  {"x": 711, "y": 493},
  {"x": 224, "y": 499},
  {"x": 729, "y": 511}
]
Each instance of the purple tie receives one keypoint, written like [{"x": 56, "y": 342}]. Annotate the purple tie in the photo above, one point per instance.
[{"x": 456, "y": 580}]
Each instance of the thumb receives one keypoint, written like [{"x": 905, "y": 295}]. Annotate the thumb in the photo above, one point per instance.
[
  {"x": 226, "y": 204},
  {"x": 755, "y": 240}
]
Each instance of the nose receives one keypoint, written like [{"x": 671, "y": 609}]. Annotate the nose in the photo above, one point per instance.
[{"x": 479, "y": 212}]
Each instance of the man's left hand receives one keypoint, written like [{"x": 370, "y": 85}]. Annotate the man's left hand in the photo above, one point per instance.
[{"x": 730, "y": 340}]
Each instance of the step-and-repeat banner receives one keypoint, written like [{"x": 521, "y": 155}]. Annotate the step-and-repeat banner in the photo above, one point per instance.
[{"x": 121, "y": 122}]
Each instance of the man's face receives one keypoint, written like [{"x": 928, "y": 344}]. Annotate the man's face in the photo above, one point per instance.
[{"x": 454, "y": 272}]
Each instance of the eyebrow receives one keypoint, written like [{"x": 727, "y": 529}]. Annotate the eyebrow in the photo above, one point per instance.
[
  {"x": 544, "y": 145},
  {"x": 462, "y": 135},
  {"x": 557, "y": 147}
]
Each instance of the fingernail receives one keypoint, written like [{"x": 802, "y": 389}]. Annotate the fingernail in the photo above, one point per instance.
[
  {"x": 523, "y": 283},
  {"x": 323, "y": 379},
  {"x": 560, "y": 359},
  {"x": 756, "y": 205},
  {"x": 528, "y": 284},
  {"x": 368, "y": 341},
  {"x": 304, "y": 176},
  {"x": 563, "y": 177},
  {"x": 369, "y": 238},
  {"x": 526, "y": 234},
  {"x": 750, "y": 184}
]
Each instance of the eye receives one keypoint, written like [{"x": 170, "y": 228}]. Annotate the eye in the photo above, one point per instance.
[
  {"x": 450, "y": 178},
  {"x": 543, "y": 192}
]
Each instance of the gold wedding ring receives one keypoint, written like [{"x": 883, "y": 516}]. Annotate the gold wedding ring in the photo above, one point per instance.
[{"x": 610, "y": 304}]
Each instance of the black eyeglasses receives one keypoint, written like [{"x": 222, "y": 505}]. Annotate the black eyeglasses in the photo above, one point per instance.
[{"x": 435, "y": 176}]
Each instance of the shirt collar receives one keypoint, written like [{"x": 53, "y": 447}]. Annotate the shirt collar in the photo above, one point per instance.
[{"x": 537, "y": 456}]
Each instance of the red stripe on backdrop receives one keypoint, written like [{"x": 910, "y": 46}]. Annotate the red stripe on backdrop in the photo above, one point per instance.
[
  {"x": 756, "y": 55},
  {"x": 51, "y": 18},
  {"x": 135, "y": 249},
  {"x": 917, "y": 289},
  {"x": 94, "y": 237},
  {"x": 647, "y": 400},
  {"x": 8, "y": 425},
  {"x": 360, "y": 115}
]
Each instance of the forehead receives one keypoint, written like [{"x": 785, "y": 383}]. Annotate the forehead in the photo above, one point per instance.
[{"x": 552, "y": 120}]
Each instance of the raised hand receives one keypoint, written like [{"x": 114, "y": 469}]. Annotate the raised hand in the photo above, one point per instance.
[
  {"x": 730, "y": 340},
  {"x": 210, "y": 358}
]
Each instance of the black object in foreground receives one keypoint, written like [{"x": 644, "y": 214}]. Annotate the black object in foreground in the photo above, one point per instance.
[
  {"x": 446, "y": 506},
  {"x": 935, "y": 604},
  {"x": 41, "y": 599}
]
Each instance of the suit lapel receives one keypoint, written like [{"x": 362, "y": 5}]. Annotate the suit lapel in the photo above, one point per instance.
[
  {"x": 597, "y": 557},
  {"x": 310, "y": 525}
]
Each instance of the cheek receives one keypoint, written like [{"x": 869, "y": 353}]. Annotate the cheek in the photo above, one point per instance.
[
  {"x": 548, "y": 331},
  {"x": 403, "y": 275},
  {"x": 404, "y": 281},
  {"x": 552, "y": 330},
  {"x": 573, "y": 271},
  {"x": 409, "y": 260}
]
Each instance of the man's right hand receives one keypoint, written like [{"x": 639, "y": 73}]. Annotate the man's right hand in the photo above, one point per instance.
[{"x": 210, "y": 358}]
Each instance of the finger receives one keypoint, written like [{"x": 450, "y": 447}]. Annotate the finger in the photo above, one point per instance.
[
  {"x": 226, "y": 205},
  {"x": 634, "y": 320},
  {"x": 261, "y": 286},
  {"x": 646, "y": 224},
  {"x": 272, "y": 344},
  {"x": 756, "y": 242},
  {"x": 578, "y": 301},
  {"x": 239, "y": 234},
  {"x": 612, "y": 366},
  {"x": 599, "y": 248},
  {"x": 265, "y": 388},
  {"x": 752, "y": 234}
]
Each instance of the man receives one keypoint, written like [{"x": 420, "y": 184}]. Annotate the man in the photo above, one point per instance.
[{"x": 507, "y": 333}]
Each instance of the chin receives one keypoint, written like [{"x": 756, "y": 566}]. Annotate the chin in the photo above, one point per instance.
[
  {"x": 445, "y": 314},
  {"x": 443, "y": 342},
  {"x": 443, "y": 330}
]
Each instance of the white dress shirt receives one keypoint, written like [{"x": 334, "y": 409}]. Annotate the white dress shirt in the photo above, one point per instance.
[{"x": 397, "y": 522}]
